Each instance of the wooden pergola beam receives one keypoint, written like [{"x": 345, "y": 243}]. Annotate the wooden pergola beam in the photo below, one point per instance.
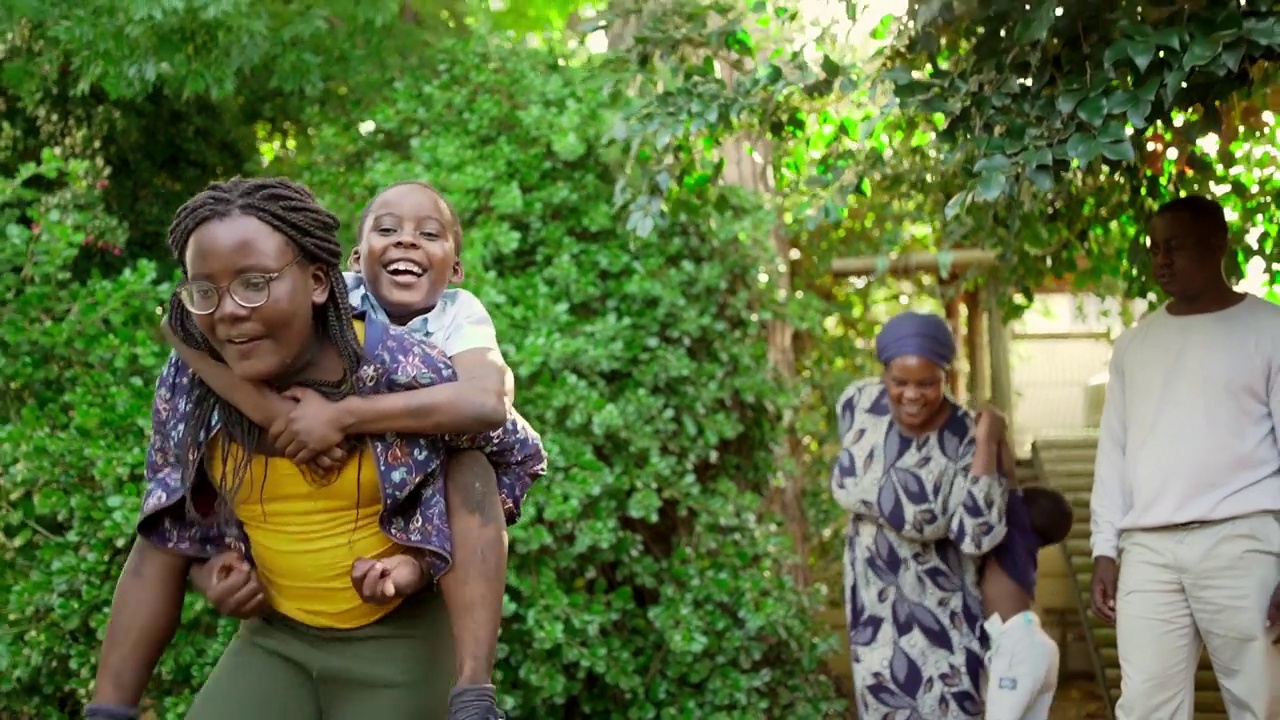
[{"x": 954, "y": 261}]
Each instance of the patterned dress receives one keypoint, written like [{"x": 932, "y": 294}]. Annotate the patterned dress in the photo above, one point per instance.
[{"x": 919, "y": 521}]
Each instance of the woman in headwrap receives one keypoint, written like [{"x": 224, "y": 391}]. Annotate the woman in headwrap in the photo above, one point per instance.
[{"x": 919, "y": 475}]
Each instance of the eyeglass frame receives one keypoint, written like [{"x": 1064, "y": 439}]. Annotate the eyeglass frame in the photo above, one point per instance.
[{"x": 267, "y": 277}]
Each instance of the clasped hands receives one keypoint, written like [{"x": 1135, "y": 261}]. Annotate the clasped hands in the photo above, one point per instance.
[{"x": 310, "y": 429}]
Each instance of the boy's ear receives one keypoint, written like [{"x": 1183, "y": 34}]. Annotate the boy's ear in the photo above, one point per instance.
[
  {"x": 456, "y": 274},
  {"x": 353, "y": 261}
]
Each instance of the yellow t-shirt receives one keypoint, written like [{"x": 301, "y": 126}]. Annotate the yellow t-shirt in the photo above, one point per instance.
[{"x": 304, "y": 538}]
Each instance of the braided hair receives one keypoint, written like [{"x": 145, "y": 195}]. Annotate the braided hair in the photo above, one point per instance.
[
  {"x": 290, "y": 209},
  {"x": 453, "y": 223}
]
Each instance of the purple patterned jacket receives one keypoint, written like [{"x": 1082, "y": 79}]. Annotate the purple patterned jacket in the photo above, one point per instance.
[{"x": 409, "y": 467}]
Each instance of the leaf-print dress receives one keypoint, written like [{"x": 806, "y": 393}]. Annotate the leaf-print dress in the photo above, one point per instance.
[{"x": 920, "y": 520}]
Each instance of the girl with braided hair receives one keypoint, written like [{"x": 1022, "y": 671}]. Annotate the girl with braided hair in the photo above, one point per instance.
[
  {"x": 409, "y": 241},
  {"x": 343, "y": 552}
]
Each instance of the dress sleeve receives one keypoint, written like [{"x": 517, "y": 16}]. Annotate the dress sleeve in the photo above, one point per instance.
[
  {"x": 166, "y": 521},
  {"x": 976, "y": 507}
]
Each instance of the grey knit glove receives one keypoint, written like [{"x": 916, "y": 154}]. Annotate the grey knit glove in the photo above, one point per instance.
[{"x": 474, "y": 702}]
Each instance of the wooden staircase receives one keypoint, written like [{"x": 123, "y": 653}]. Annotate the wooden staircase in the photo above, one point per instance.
[{"x": 1065, "y": 463}]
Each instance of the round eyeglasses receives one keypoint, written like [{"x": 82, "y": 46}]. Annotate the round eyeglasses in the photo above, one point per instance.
[{"x": 250, "y": 290}]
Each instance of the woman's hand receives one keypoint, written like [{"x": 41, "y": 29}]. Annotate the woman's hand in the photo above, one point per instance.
[
  {"x": 311, "y": 431},
  {"x": 231, "y": 585},
  {"x": 991, "y": 427},
  {"x": 381, "y": 581}
]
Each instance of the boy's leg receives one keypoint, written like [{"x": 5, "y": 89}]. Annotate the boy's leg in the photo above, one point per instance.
[
  {"x": 259, "y": 677},
  {"x": 1042, "y": 704},
  {"x": 474, "y": 586},
  {"x": 1017, "y": 668}
]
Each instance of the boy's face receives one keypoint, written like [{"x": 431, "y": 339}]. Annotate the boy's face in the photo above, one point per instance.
[{"x": 406, "y": 254}]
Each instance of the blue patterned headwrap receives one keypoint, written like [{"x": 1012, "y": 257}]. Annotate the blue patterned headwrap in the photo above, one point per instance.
[{"x": 920, "y": 334}]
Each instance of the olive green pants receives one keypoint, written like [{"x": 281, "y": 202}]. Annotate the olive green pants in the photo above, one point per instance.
[{"x": 399, "y": 668}]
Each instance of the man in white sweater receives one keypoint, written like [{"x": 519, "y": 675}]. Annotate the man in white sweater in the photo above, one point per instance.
[{"x": 1185, "y": 513}]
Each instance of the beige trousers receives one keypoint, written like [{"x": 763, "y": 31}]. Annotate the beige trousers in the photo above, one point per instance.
[{"x": 1187, "y": 585}]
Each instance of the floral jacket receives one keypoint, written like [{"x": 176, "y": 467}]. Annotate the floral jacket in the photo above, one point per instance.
[{"x": 410, "y": 467}]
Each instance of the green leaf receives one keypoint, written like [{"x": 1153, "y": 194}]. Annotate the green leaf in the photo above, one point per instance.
[
  {"x": 1083, "y": 148},
  {"x": 955, "y": 205},
  {"x": 1118, "y": 50},
  {"x": 993, "y": 163},
  {"x": 1093, "y": 110},
  {"x": 1041, "y": 178},
  {"x": 1119, "y": 151},
  {"x": 990, "y": 185},
  {"x": 1168, "y": 37},
  {"x": 1112, "y": 132},
  {"x": 1142, "y": 52},
  {"x": 1173, "y": 84},
  {"x": 945, "y": 260},
  {"x": 1120, "y": 101},
  {"x": 1068, "y": 99},
  {"x": 1201, "y": 50},
  {"x": 1034, "y": 27},
  {"x": 1231, "y": 57},
  {"x": 1040, "y": 157},
  {"x": 1151, "y": 88}
]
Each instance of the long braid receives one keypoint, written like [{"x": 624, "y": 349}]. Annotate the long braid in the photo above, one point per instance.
[{"x": 290, "y": 209}]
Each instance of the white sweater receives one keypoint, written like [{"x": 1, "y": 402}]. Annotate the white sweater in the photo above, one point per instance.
[{"x": 1189, "y": 428}]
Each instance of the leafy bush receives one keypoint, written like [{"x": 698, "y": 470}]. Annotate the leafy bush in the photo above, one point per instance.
[
  {"x": 80, "y": 359},
  {"x": 645, "y": 580}
]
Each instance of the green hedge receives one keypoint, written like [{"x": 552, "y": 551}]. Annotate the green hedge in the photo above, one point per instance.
[{"x": 644, "y": 578}]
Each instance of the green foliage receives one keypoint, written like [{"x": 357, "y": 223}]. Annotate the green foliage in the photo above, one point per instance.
[
  {"x": 81, "y": 356},
  {"x": 1081, "y": 118},
  {"x": 644, "y": 581}
]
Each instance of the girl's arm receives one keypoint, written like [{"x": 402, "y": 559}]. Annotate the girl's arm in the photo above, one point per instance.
[
  {"x": 259, "y": 403},
  {"x": 479, "y": 401}
]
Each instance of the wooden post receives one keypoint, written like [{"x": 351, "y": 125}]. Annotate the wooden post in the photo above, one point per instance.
[
  {"x": 975, "y": 335},
  {"x": 957, "y": 330},
  {"x": 998, "y": 343}
]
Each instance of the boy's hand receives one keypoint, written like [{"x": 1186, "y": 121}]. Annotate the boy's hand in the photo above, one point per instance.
[
  {"x": 381, "y": 581},
  {"x": 311, "y": 429},
  {"x": 231, "y": 586}
]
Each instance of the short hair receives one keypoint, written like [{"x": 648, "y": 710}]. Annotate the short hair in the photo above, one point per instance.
[
  {"x": 1050, "y": 514},
  {"x": 1205, "y": 212},
  {"x": 453, "y": 224}
]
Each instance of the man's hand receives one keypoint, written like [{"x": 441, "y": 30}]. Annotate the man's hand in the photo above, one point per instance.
[
  {"x": 381, "y": 581},
  {"x": 473, "y": 702},
  {"x": 231, "y": 586},
  {"x": 1106, "y": 574},
  {"x": 1273, "y": 615},
  {"x": 311, "y": 430}
]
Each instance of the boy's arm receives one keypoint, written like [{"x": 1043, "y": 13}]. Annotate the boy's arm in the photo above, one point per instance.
[
  {"x": 258, "y": 402},
  {"x": 478, "y": 402}
]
